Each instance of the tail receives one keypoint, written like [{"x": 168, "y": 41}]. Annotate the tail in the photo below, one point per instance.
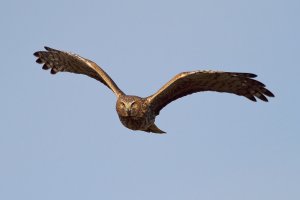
[{"x": 154, "y": 129}]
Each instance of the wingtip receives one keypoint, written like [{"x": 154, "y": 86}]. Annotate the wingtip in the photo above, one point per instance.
[
  {"x": 250, "y": 75},
  {"x": 39, "y": 61},
  {"x": 53, "y": 71},
  {"x": 263, "y": 98},
  {"x": 45, "y": 67},
  {"x": 161, "y": 132},
  {"x": 269, "y": 93},
  {"x": 243, "y": 74},
  {"x": 252, "y": 98},
  {"x": 36, "y": 54}
]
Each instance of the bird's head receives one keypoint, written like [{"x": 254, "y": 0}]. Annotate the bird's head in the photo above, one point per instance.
[{"x": 129, "y": 106}]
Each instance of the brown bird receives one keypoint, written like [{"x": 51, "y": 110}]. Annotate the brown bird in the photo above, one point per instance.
[{"x": 139, "y": 113}]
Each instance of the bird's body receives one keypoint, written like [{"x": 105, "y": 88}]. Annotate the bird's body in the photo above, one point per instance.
[
  {"x": 134, "y": 112},
  {"x": 139, "y": 113}
]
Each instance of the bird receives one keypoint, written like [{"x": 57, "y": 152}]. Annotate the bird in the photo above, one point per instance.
[{"x": 139, "y": 113}]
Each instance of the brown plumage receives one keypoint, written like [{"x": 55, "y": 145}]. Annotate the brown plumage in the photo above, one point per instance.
[{"x": 138, "y": 113}]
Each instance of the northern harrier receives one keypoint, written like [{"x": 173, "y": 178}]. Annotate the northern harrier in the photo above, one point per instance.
[{"x": 139, "y": 113}]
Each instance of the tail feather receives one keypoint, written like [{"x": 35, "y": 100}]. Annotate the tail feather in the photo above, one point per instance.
[{"x": 154, "y": 129}]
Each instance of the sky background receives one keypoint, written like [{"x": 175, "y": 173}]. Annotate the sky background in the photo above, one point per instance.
[{"x": 60, "y": 136}]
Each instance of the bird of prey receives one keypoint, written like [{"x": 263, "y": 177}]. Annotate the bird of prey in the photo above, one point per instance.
[{"x": 138, "y": 113}]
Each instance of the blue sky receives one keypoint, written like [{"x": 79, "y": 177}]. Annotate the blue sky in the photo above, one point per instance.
[{"x": 60, "y": 137}]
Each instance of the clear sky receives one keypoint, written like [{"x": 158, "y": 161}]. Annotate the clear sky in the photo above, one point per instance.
[{"x": 60, "y": 136}]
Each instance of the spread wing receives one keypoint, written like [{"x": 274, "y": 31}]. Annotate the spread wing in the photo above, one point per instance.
[
  {"x": 60, "y": 61},
  {"x": 187, "y": 83}
]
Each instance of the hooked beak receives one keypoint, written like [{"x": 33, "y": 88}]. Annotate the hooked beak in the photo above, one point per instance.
[{"x": 128, "y": 111}]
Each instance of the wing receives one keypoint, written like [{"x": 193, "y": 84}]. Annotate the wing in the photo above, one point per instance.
[
  {"x": 60, "y": 61},
  {"x": 187, "y": 83}
]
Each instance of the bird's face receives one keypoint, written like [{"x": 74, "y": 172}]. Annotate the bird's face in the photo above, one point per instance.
[{"x": 128, "y": 106}]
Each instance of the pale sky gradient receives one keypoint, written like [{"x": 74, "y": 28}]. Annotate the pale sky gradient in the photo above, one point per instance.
[{"x": 60, "y": 136}]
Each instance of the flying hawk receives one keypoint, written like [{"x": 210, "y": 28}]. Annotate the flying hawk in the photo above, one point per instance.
[{"x": 138, "y": 113}]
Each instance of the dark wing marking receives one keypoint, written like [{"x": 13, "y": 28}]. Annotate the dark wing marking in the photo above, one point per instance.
[
  {"x": 60, "y": 61},
  {"x": 187, "y": 83}
]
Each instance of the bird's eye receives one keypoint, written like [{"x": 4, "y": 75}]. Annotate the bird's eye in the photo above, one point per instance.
[
  {"x": 122, "y": 105},
  {"x": 134, "y": 105}
]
